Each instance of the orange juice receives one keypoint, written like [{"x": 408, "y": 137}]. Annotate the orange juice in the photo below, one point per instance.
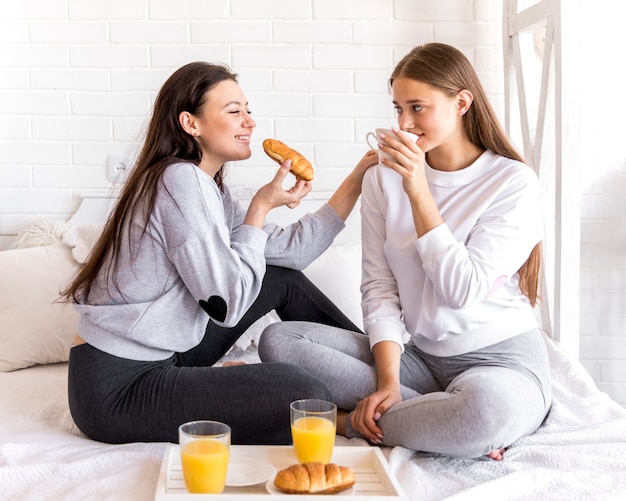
[
  {"x": 313, "y": 439},
  {"x": 205, "y": 463}
]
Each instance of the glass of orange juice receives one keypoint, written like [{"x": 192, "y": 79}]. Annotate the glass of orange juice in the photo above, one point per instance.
[
  {"x": 313, "y": 426},
  {"x": 204, "y": 454}
]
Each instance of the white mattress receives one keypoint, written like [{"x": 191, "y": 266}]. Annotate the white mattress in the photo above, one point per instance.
[{"x": 579, "y": 453}]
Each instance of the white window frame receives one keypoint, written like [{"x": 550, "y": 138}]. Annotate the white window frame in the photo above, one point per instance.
[{"x": 542, "y": 113}]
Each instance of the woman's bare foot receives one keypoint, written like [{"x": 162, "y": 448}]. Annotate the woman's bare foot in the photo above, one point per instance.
[
  {"x": 497, "y": 454},
  {"x": 233, "y": 363}
]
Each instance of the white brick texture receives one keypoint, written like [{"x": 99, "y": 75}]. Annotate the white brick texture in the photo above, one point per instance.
[{"x": 78, "y": 78}]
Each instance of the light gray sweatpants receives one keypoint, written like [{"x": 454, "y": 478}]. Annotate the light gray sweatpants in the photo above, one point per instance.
[{"x": 462, "y": 406}]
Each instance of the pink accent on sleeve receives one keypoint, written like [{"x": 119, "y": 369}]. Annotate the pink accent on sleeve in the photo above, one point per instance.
[{"x": 497, "y": 284}]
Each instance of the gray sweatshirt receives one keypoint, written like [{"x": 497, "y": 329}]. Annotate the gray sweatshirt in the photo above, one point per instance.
[{"x": 196, "y": 247}]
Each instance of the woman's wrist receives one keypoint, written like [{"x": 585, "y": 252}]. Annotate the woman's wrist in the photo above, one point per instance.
[
  {"x": 256, "y": 214},
  {"x": 388, "y": 383},
  {"x": 346, "y": 196}
]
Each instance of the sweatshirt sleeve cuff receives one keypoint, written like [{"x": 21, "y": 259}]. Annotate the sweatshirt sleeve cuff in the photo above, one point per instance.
[
  {"x": 386, "y": 330},
  {"x": 434, "y": 242},
  {"x": 247, "y": 234},
  {"x": 330, "y": 215}
]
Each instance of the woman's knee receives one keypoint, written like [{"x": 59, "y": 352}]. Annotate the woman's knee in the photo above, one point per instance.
[
  {"x": 278, "y": 274},
  {"x": 269, "y": 342},
  {"x": 278, "y": 339},
  {"x": 494, "y": 420}
]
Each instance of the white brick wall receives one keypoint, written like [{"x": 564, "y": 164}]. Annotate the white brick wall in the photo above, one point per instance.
[
  {"x": 603, "y": 205},
  {"x": 78, "y": 77}
]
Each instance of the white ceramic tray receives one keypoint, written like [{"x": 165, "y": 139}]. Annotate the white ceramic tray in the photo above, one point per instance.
[{"x": 375, "y": 481}]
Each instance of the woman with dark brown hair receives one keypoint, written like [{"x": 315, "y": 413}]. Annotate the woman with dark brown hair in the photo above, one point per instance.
[
  {"x": 182, "y": 270},
  {"x": 453, "y": 360}
]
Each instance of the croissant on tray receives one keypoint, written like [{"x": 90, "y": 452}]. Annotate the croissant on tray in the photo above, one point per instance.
[
  {"x": 314, "y": 478},
  {"x": 280, "y": 152}
]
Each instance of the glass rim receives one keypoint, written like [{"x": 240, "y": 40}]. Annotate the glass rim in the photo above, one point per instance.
[
  {"x": 221, "y": 429},
  {"x": 318, "y": 405}
]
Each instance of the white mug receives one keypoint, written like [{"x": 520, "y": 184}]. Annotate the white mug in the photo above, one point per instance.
[{"x": 387, "y": 132}]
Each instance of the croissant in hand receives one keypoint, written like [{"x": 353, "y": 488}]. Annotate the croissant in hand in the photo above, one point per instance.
[
  {"x": 314, "y": 478},
  {"x": 280, "y": 152}
]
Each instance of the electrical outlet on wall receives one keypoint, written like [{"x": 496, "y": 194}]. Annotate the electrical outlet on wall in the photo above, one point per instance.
[{"x": 117, "y": 168}]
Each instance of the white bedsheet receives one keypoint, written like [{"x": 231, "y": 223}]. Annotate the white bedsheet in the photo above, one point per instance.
[{"x": 579, "y": 453}]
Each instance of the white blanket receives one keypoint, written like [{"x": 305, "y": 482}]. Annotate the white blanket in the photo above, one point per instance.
[{"x": 579, "y": 453}]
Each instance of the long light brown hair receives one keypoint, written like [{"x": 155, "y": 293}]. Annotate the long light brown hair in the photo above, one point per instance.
[
  {"x": 446, "y": 68},
  {"x": 165, "y": 143}
]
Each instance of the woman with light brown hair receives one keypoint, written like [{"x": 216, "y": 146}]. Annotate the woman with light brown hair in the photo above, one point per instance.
[{"x": 452, "y": 360}]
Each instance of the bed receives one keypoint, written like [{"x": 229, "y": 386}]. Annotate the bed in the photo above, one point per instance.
[{"x": 578, "y": 453}]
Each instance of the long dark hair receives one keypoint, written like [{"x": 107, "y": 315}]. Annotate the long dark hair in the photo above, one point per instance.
[
  {"x": 165, "y": 143},
  {"x": 447, "y": 69}
]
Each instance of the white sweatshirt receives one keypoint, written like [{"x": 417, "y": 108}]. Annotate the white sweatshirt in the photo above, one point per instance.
[{"x": 455, "y": 289}]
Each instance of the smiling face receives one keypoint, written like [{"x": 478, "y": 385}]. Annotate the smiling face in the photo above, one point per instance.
[
  {"x": 223, "y": 127},
  {"x": 428, "y": 112}
]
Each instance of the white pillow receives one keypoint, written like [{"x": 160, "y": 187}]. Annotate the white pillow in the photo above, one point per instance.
[
  {"x": 81, "y": 239},
  {"x": 38, "y": 233},
  {"x": 337, "y": 273},
  {"x": 34, "y": 328}
]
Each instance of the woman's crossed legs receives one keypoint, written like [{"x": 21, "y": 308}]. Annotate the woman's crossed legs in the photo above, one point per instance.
[{"x": 466, "y": 406}]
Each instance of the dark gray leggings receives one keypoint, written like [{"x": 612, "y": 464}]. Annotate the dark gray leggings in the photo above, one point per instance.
[
  {"x": 463, "y": 406},
  {"x": 117, "y": 400}
]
